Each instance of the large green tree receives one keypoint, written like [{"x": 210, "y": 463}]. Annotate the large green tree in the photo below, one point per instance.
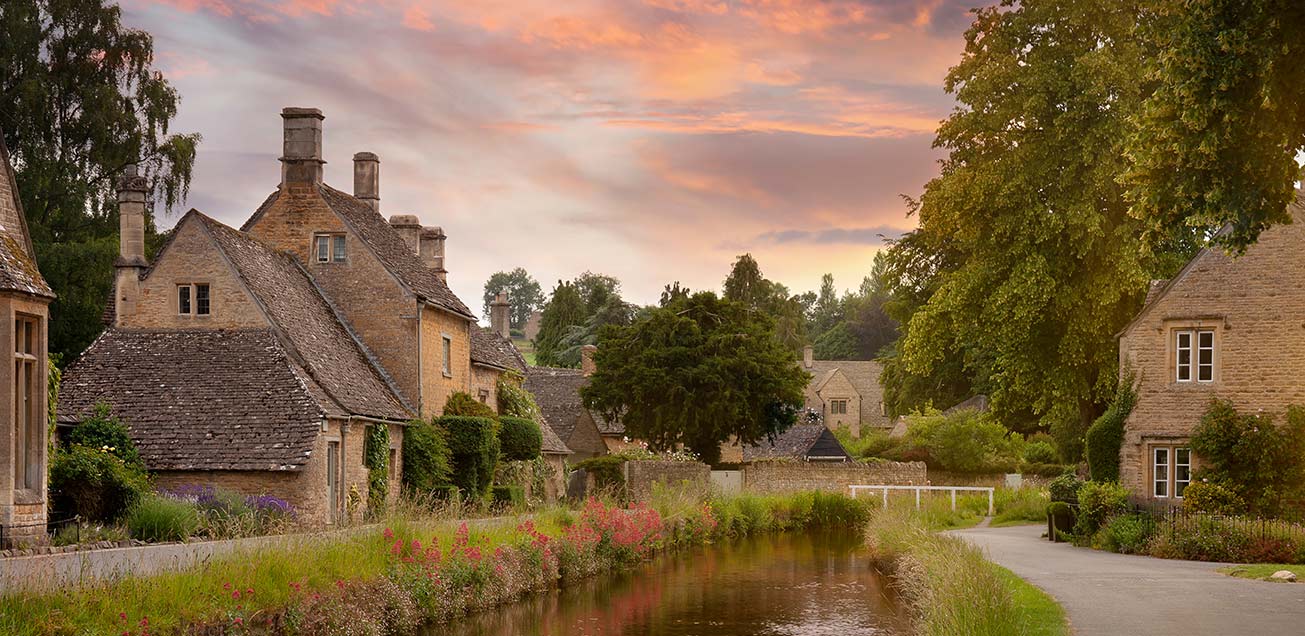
[
  {"x": 745, "y": 284},
  {"x": 596, "y": 290},
  {"x": 1219, "y": 139},
  {"x": 82, "y": 100},
  {"x": 524, "y": 295},
  {"x": 1030, "y": 258},
  {"x": 695, "y": 373},
  {"x": 565, "y": 309}
]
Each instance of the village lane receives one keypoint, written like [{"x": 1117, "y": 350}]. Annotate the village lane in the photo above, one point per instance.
[{"x": 1106, "y": 594}]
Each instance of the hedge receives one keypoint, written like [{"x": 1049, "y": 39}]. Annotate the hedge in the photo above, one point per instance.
[
  {"x": 427, "y": 460},
  {"x": 1106, "y": 435},
  {"x": 474, "y": 444},
  {"x": 461, "y": 404},
  {"x": 520, "y": 438},
  {"x": 606, "y": 470},
  {"x": 509, "y": 496},
  {"x": 376, "y": 458}
]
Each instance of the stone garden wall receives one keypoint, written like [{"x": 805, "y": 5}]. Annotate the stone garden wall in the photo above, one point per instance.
[
  {"x": 641, "y": 475},
  {"x": 796, "y": 476}
]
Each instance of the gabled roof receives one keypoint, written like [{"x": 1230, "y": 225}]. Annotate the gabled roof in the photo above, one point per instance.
[
  {"x": 490, "y": 349},
  {"x": 18, "y": 270},
  {"x": 200, "y": 400},
  {"x": 557, "y": 391},
  {"x": 863, "y": 375},
  {"x": 393, "y": 252},
  {"x": 553, "y": 444},
  {"x": 801, "y": 441},
  {"x": 317, "y": 333}
]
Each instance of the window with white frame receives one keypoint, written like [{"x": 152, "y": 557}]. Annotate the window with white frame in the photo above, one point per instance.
[
  {"x": 193, "y": 299},
  {"x": 328, "y": 248},
  {"x": 1171, "y": 471},
  {"x": 1194, "y": 355},
  {"x": 838, "y": 407}
]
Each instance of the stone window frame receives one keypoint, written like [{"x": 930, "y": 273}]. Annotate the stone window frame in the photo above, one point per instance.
[
  {"x": 446, "y": 341},
  {"x": 1171, "y": 481},
  {"x": 1193, "y": 328},
  {"x": 844, "y": 402},
  {"x": 192, "y": 297},
  {"x": 29, "y": 429},
  {"x": 336, "y": 250}
]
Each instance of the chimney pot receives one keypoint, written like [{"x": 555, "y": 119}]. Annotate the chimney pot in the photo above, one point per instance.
[
  {"x": 587, "y": 364},
  {"x": 499, "y": 315},
  {"x": 301, "y": 152},
  {"x": 409, "y": 227},
  {"x": 367, "y": 179}
]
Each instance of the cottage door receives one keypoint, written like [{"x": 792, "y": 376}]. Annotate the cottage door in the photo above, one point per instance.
[{"x": 333, "y": 479}]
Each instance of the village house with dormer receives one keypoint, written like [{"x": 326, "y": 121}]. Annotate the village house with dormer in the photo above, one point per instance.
[
  {"x": 24, "y": 314},
  {"x": 846, "y": 393},
  {"x": 1223, "y": 327},
  {"x": 255, "y": 359}
]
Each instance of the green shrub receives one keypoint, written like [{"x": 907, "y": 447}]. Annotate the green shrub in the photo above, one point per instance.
[
  {"x": 473, "y": 441},
  {"x": 1097, "y": 502},
  {"x": 1040, "y": 452},
  {"x": 1126, "y": 534},
  {"x": 1060, "y": 520},
  {"x": 508, "y": 496},
  {"x": 1204, "y": 539},
  {"x": 376, "y": 457},
  {"x": 1065, "y": 488},
  {"x": 156, "y": 518},
  {"x": 93, "y": 483},
  {"x": 427, "y": 460},
  {"x": 519, "y": 438},
  {"x": 461, "y": 404},
  {"x": 872, "y": 443},
  {"x": 1044, "y": 470},
  {"x": 1212, "y": 497},
  {"x": 103, "y": 431},
  {"x": 1068, "y": 429},
  {"x": 515, "y": 401},
  {"x": 1260, "y": 461},
  {"x": 606, "y": 470},
  {"x": 1106, "y": 435},
  {"x": 965, "y": 441}
]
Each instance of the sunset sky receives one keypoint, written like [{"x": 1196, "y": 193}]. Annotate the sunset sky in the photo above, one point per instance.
[{"x": 653, "y": 140}]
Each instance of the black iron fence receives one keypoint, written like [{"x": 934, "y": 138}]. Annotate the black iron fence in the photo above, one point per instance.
[{"x": 1178, "y": 520}]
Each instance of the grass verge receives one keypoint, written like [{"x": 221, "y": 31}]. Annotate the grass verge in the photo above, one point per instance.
[
  {"x": 951, "y": 590},
  {"x": 1262, "y": 571}
]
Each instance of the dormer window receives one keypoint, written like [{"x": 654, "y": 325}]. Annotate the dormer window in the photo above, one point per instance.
[
  {"x": 329, "y": 248},
  {"x": 193, "y": 299}
]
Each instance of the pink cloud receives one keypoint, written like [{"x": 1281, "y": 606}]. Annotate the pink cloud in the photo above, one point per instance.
[{"x": 418, "y": 17}]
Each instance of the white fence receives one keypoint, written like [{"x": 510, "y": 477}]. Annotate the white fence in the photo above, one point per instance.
[{"x": 953, "y": 489}]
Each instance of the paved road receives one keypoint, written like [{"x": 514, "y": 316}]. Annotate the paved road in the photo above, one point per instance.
[{"x": 1118, "y": 595}]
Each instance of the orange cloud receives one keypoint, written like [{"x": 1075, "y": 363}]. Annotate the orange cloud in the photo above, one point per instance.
[
  {"x": 702, "y": 182},
  {"x": 418, "y": 17}
]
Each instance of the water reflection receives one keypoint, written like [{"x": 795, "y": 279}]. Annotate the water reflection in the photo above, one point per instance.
[{"x": 789, "y": 585}]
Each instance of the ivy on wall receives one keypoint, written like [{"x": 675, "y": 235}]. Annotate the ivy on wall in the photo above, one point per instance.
[{"x": 376, "y": 457}]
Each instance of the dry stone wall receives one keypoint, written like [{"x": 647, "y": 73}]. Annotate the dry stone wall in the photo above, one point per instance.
[{"x": 795, "y": 476}]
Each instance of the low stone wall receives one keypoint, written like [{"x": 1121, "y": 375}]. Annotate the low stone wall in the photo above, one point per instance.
[
  {"x": 641, "y": 475},
  {"x": 983, "y": 480},
  {"x": 796, "y": 476}
]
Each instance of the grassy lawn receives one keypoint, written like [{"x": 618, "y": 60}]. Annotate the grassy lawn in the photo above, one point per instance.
[
  {"x": 1262, "y": 571},
  {"x": 527, "y": 349},
  {"x": 1041, "y": 615}
]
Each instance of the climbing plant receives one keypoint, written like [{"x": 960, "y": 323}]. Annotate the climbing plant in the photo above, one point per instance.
[{"x": 376, "y": 457}]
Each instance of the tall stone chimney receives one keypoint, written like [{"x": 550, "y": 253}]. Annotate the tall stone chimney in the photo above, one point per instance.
[
  {"x": 301, "y": 153},
  {"x": 587, "y": 365},
  {"x": 432, "y": 250},
  {"x": 808, "y": 357},
  {"x": 132, "y": 189},
  {"x": 367, "y": 179},
  {"x": 409, "y": 227},
  {"x": 499, "y": 316}
]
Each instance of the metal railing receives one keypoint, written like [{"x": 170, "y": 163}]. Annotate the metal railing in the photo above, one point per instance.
[{"x": 918, "y": 489}]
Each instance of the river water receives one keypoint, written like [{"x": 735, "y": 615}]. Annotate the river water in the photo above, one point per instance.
[{"x": 782, "y": 585}]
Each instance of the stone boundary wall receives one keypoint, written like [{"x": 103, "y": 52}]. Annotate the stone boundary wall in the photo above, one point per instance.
[
  {"x": 984, "y": 480},
  {"x": 797, "y": 476},
  {"x": 641, "y": 475}
]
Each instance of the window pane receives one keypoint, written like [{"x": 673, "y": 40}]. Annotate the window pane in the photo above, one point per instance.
[
  {"x": 183, "y": 299},
  {"x": 1160, "y": 473},
  {"x": 448, "y": 355},
  {"x": 323, "y": 248},
  {"x": 19, "y": 327},
  {"x": 201, "y": 300},
  {"x": 1184, "y": 362},
  {"x": 338, "y": 248},
  {"x": 1205, "y": 356}
]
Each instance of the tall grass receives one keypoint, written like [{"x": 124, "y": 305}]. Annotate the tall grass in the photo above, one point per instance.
[{"x": 951, "y": 589}]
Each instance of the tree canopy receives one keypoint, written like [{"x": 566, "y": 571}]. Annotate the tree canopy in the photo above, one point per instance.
[
  {"x": 746, "y": 285},
  {"x": 696, "y": 373},
  {"x": 1027, "y": 260},
  {"x": 82, "y": 100},
  {"x": 524, "y": 295},
  {"x": 565, "y": 309}
]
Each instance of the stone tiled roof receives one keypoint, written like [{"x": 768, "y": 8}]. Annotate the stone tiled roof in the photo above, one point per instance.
[
  {"x": 200, "y": 400},
  {"x": 553, "y": 445},
  {"x": 799, "y": 442},
  {"x": 18, "y": 271},
  {"x": 864, "y": 377},
  {"x": 490, "y": 349},
  {"x": 557, "y": 391},
  {"x": 318, "y": 336}
]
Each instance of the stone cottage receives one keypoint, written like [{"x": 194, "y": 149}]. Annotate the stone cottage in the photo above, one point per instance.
[
  {"x": 255, "y": 359},
  {"x": 587, "y": 433},
  {"x": 24, "y": 313},
  {"x": 846, "y": 392},
  {"x": 1222, "y": 327}
]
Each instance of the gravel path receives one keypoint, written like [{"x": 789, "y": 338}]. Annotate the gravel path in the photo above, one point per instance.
[{"x": 1107, "y": 594}]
